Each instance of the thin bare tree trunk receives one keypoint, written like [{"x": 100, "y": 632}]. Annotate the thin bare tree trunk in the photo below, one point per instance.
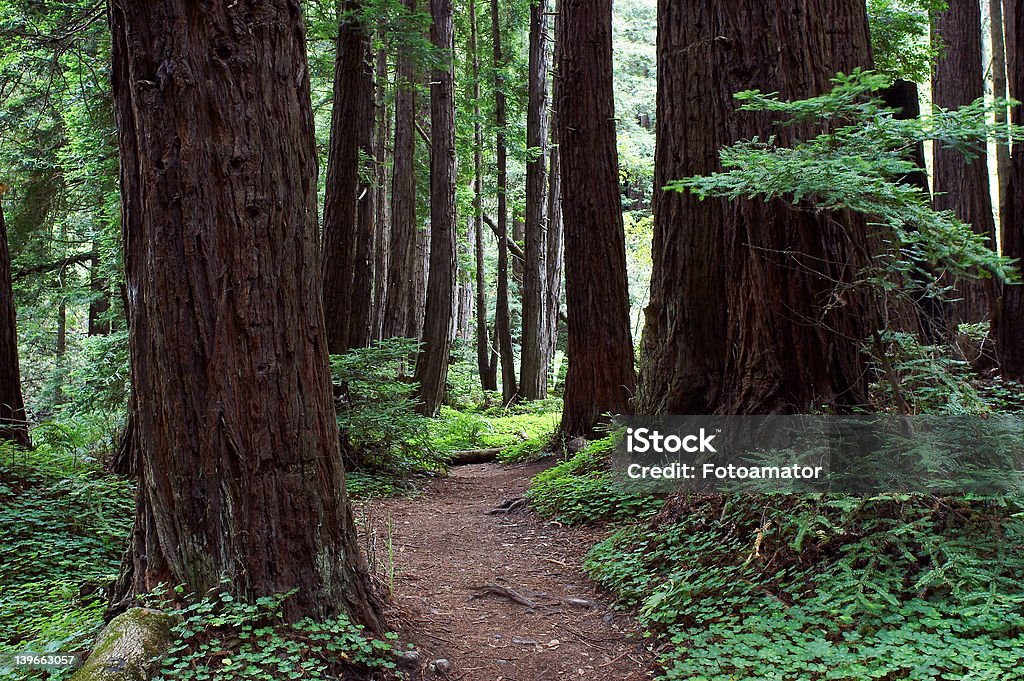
[
  {"x": 432, "y": 363},
  {"x": 502, "y": 314},
  {"x": 533, "y": 376}
]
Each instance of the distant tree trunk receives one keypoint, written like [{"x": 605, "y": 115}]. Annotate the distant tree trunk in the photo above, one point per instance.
[
  {"x": 432, "y": 363},
  {"x": 502, "y": 314},
  {"x": 930, "y": 314},
  {"x": 349, "y": 198},
  {"x": 555, "y": 260},
  {"x": 486, "y": 358},
  {"x": 13, "y": 421},
  {"x": 519, "y": 236},
  {"x": 999, "y": 91},
  {"x": 751, "y": 307},
  {"x": 421, "y": 262},
  {"x": 235, "y": 436},
  {"x": 400, "y": 321},
  {"x": 601, "y": 376},
  {"x": 99, "y": 304},
  {"x": 533, "y": 376},
  {"x": 1009, "y": 320},
  {"x": 466, "y": 296},
  {"x": 960, "y": 185},
  {"x": 383, "y": 231}
]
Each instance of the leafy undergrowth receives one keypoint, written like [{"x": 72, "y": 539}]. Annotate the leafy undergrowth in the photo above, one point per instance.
[
  {"x": 220, "y": 638},
  {"x": 826, "y": 587},
  {"x": 63, "y": 528},
  {"x": 580, "y": 490},
  {"x": 523, "y": 431}
]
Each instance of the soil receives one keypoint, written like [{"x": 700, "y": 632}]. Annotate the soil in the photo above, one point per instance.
[{"x": 498, "y": 597}]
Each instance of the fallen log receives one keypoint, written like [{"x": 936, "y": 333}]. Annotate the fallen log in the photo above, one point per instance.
[{"x": 471, "y": 456}]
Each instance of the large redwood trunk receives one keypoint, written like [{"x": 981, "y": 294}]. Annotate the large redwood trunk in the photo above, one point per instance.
[
  {"x": 533, "y": 377},
  {"x": 235, "y": 437},
  {"x": 401, "y": 308},
  {"x": 750, "y": 311},
  {"x": 349, "y": 210},
  {"x": 13, "y": 423},
  {"x": 962, "y": 185},
  {"x": 1009, "y": 320},
  {"x": 601, "y": 376},
  {"x": 432, "y": 363}
]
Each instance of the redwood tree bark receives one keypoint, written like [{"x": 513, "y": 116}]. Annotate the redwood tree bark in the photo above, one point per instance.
[
  {"x": 1009, "y": 320},
  {"x": 432, "y": 363},
  {"x": 400, "y": 318},
  {"x": 235, "y": 437},
  {"x": 349, "y": 210},
  {"x": 382, "y": 232},
  {"x": 751, "y": 310},
  {"x": 962, "y": 185},
  {"x": 601, "y": 377},
  {"x": 13, "y": 422},
  {"x": 502, "y": 315},
  {"x": 533, "y": 376}
]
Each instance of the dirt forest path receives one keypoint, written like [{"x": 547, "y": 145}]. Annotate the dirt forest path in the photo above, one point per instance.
[{"x": 498, "y": 597}]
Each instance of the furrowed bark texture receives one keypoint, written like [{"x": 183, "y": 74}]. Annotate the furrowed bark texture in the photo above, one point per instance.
[
  {"x": 349, "y": 199},
  {"x": 1009, "y": 320},
  {"x": 960, "y": 185},
  {"x": 13, "y": 422},
  {"x": 751, "y": 310},
  {"x": 533, "y": 376},
  {"x": 601, "y": 376},
  {"x": 234, "y": 428},
  {"x": 432, "y": 363}
]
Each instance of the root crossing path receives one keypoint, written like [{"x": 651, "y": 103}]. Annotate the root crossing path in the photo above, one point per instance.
[{"x": 497, "y": 597}]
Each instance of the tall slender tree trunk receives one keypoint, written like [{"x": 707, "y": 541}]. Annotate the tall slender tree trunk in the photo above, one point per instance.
[
  {"x": 432, "y": 363},
  {"x": 1009, "y": 319},
  {"x": 467, "y": 287},
  {"x": 751, "y": 311},
  {"x": 383, "y": 231},
  {"x": 400, "y": 320},
  {"x": 999, "y": 91},
  {"x": 13, "y": 421},
  {"x": 533, "y": 376},
  {"x": 601, "y": 376},
  {"x": 962, "y": 185},
  {"x": 555, "y": 260},
  {"x": 486, "y": 357},
  {"x": 349, "y": 199},
  {"x": 235, "y": 436},
  {"x": 502, "y": 314}
]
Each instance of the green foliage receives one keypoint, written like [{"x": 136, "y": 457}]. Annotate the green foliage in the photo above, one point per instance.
[
  {"x": 771, "y": 587},
  {"x": 220, "y": 638},
  {"x": 900, "y": 32},
  {"x": 580, "y": 490},
  {"x": 63, "y": 527},
  {"x": 377, "y": 410},
  {"x": 857, "y": 163},
  {"x": 524, "y": 430}
]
